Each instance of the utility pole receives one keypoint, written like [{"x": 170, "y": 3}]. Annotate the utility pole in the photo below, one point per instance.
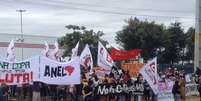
[
  {"x": 197, "y": 53},
  {"x": 22, "y": 37}
]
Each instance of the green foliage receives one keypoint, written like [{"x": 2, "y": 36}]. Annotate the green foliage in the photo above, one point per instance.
[
  {"x": 168, "y": 44},
  {"x": 190, "y": 38},
  {"x": 142, "y": 35},
  {"x": 175, "y": 44},
  {"x": 84, "y": 36}
]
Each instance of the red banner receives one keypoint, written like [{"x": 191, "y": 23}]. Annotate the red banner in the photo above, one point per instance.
[{"x": 124, "y": 55}]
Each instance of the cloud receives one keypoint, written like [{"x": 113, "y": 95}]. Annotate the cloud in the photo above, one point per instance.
[{"x": 49, "y": 17}]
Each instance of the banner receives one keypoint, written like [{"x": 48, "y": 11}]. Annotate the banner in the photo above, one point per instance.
[
  {"x": 165, "y": 91},
  {"x": 86, "y": 59},
  {"x": 149, "y": 72},
  {"x": 133, "y": 68},
  {"x": 105, "y": 89},
  {"x": 59, "y": 73},
  {"x": 15, "y": 73},
  {"x": 104, "y": 60},
  {"x": 124, "y": 55}
]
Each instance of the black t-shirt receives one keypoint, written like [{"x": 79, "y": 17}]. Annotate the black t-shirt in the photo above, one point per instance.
[
  {"x": 87, "y": 89},
  {"x": 79, "y": 89},
  {"x": 36, "y": 87},
  {"x": 44, "y": 89}
]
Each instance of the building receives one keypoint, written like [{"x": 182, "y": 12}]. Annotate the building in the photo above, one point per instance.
[{"x": 26, "y": 46}]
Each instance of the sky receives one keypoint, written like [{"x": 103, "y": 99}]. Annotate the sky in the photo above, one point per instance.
[{"x": 49, "y": 17}]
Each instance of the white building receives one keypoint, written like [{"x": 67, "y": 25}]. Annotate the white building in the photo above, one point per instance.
[{"x": 30, "y": 46}]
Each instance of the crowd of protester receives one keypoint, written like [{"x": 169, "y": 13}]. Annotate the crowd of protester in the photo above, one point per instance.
[{"x": 86, "y": 92}]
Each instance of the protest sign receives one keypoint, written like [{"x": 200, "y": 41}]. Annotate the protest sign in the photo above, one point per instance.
[
  {"x": 105, "y": 89},
  {"x": 60, "y": 73},
  {"x": 23, "y": 72}
]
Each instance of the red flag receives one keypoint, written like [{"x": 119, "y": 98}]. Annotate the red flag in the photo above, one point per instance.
[{"x": 124, "y": 55}]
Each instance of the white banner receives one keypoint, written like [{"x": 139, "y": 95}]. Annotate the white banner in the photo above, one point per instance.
[
  {"x": 15, "y": 73},
  {"x": 149, "y": 72},
  {"x": 59, "y": 73},
  {"x": 104, "y": 59},
  {"x": 86, "y": 59}
]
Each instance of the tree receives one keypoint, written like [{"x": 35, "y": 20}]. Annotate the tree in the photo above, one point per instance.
[
  {"x": 144, "y": 35},
  {"x": 190, "y": 37},
  {"x": 175, "y": 44},
  {"x": 84, "y": 36}
]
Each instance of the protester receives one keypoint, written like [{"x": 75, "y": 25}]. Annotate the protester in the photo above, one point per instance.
[
  {"x": 36, "y": 91},
  {"x": 146, "y": 91},
  {"x": 199, "y": 87},
  {"x": 176, "y": 91},
  {"x": 182, "y": 87},
  {"x": 138, "y": 81},
  {"x": 96, "y": 82},
  {"x": 72, "y": 92},
  {"x": 19, "y": 92},
  {"x": 43, "y": 92},
  {"x": 4, "y": 92},
  {"x": 87, "y": 91}
]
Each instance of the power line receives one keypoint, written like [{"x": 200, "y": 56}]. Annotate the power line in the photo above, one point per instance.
[
  {"x": 133, "y": 9},
  {"x": 64, "y": 5}
]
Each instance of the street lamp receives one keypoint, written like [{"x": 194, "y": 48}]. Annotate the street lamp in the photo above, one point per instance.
[{"x": 22, "y": 38}]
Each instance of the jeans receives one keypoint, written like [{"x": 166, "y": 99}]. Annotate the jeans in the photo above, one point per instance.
[
  {"x": 176, "y": 97},
  {"x": 3, "y": 98},
  {"x": 88, "y": 98},
  {"x": 36, "y": 96}
]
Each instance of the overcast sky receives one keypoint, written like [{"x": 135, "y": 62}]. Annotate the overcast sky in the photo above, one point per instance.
[{"x": 49, "y": 17}]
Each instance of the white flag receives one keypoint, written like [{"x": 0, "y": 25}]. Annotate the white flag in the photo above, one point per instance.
[
  {"x": 104, "y": 59},
  {"x": 45, "y": 51},
  {"x": 54, "y": 53},
  {"x": 149, "y": 72},
  {"x": 86, "y": 59},
  {"x": 75, "y": 50},
  {"x": 11, "y": 51}
]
